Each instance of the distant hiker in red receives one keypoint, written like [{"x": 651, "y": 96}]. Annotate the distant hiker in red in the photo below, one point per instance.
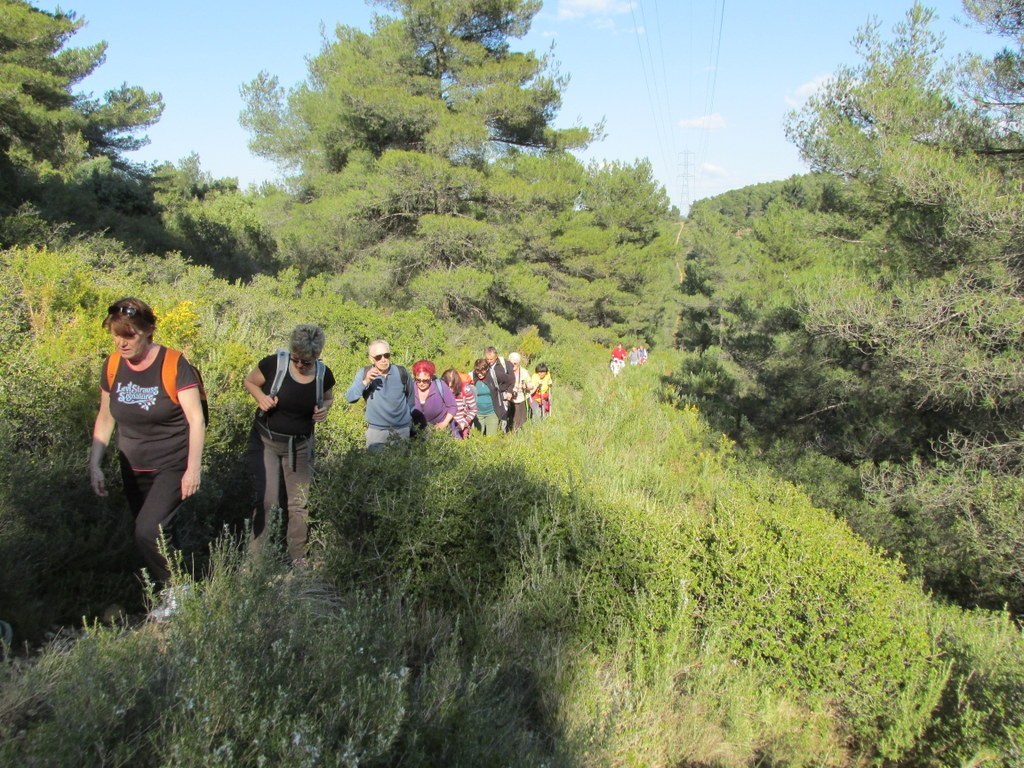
[
  {"x": 152, "y": 395},
  {"x": 618, "y": 359}
]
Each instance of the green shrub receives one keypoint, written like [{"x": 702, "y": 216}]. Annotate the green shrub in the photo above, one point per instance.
[
  {"x": 788, "y": 588},
  {"x": 93, "y": 702},
  {"x": 980, "y": 719},
  {"x": 608, "y": 586},
  {"x": 263, "y": 667}
]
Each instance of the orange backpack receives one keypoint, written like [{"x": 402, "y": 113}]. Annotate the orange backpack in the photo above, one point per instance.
[{"x": 168, "y": 377}]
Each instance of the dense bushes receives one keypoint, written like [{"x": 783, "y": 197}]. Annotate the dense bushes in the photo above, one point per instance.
[
  {"x": 802, "y": 596},
  {"x": 609, "y": 586},
  {"x": 256, "y": 669}
]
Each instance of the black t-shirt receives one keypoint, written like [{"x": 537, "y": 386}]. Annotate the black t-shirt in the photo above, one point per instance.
[
  {"x": 295, "y": 402},
  {"x": 152, "y": 432}
]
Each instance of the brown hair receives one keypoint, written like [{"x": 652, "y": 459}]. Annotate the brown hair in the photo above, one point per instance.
[
  {"x": 453, "y": 380},
  {"x": 130, "y": 317}
]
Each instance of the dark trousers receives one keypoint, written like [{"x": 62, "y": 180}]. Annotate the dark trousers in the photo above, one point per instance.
[
  {"x": 281, "y": 474},
  {"x": 154, "y": 499},
  {"x": 517, "y": 413}
]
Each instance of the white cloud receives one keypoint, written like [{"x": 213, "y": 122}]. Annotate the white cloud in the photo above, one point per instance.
[
  {"x": 706, "y": 122},
  {"x": 807, "y": 90},
  {"x": 576, "y": 9},
  {"x": 710, "y": 169}
]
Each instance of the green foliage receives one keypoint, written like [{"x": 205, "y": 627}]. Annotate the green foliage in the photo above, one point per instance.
[
  {"x": 45, "y": 124},
  {"x": 979, "y": 718},
  {"x": 254, "y": 668},
  {"x": 430, "y": 176},
  {"x": 210, "y": 222},
  {"x": 438, "y": 78},
  {"x": 92, "y": 703},
  {"x": 786, "y": 551},
  {"x": 52, "y": 345},
  {"x": 957, "y": 522},
  {"x": 876, "y": 317},
  {"x": 551, "y": 596},
  {"x": 627, "y": 199},
  {"x": 618, "y": 584}
]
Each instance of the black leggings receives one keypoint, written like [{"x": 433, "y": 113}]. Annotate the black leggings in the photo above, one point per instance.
[{"x": 154, "y": 499}]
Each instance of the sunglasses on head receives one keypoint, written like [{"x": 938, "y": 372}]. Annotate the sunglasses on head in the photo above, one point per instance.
[
  {"x": 116, "y": 309},
  {"x": 385, "y": 355},
  {"x": 300, "y": 361}
]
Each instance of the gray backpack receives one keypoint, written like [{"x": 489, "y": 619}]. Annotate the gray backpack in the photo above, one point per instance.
[{"x": 282, "y": 368}]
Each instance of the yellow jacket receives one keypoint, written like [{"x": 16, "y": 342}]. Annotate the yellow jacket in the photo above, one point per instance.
[{"x": 541, "y": 382}]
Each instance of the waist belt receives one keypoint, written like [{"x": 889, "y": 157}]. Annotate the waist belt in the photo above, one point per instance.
[{"x": 279, "y": 437}]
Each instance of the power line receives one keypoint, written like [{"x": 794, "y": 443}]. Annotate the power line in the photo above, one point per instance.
[
  {"x": 660, "y": 93},
  {"x": 647, "y": 81},
  {"x": 717, "y": 23}
]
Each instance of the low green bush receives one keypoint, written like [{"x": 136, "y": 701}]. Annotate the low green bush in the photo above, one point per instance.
[
  {"x": 572, "y": 533},
  {"x": 980, "y": 718},
  {"x": 265, "y": 667},
  {"x": 787, "y": 588}
]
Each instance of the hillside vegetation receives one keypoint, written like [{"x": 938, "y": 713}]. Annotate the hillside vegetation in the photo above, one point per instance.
[
  {"x": 859, "y": 327},
  {"x": 791, "y": 539},
  {"x": 561, "y": 595}
]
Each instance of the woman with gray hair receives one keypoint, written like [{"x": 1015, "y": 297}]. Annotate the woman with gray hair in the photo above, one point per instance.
[{"x": 293, "y": 390}]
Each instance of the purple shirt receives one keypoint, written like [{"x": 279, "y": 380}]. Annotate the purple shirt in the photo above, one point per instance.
[{"x": 439, "y": 403}]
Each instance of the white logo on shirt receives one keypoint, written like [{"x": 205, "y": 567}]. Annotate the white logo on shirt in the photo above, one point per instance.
[{"x": 133, "y": 394}]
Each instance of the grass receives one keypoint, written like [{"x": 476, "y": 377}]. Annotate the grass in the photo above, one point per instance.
[{"x": 601, "y": 588}]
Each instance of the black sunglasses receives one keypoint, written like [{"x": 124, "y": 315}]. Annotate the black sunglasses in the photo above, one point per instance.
[
  {"x": 385, "y": 355},
  {"x": 115, "y": 309},
  {"x": 301, "y": 362}
]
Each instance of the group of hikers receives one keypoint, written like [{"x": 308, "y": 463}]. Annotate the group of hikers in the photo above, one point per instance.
[
  {"x": 498, "y": 395},
  {"x": 636, "y": 356},
  {"x": 155, "y": 399}
]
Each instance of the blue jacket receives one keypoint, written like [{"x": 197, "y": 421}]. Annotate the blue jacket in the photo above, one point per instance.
[{"x": 388, "y": 400}]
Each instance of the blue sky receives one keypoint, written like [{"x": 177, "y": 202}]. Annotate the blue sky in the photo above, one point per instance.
[{"x": 699, "y": 87}]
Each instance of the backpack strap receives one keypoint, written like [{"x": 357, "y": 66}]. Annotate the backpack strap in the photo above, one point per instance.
[
  {"x": 282, "y": 369},
  {"x": 321, "y": 370},
  {"x": 112, "y": 363},
  {"x": 169, "y": 373},
  {"x": 403, "y": 373},
  {"x": 169, "y": 378},
  {"x": 494, "y": 377}
]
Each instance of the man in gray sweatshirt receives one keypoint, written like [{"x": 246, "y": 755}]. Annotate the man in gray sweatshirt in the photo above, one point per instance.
[{"x": 388, "y": 395}]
